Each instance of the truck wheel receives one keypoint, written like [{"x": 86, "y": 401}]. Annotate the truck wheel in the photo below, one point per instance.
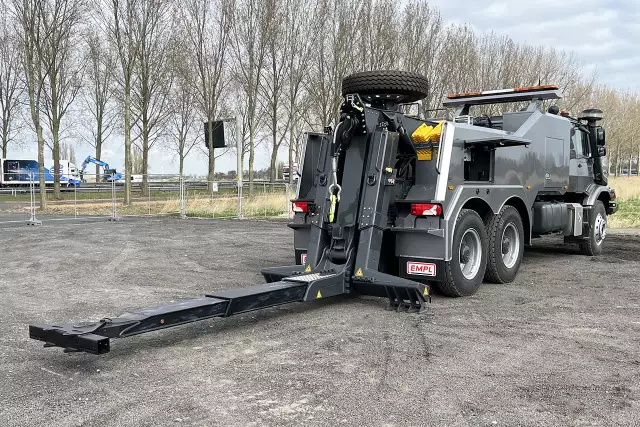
[
  {"x": 464, "y": 273},
  {"x": 592, "y": 246},
  {"x": 506, "y": 245},
  {"x": 412, "y": 86}
]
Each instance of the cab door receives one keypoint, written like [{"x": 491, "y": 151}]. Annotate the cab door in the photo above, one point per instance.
[{"x": 580, "y": 161}]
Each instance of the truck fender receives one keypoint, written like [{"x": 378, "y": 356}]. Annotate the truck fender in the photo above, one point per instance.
[
  {"x": 483, "y": 202},
  {"x": 593, "y": 194}
]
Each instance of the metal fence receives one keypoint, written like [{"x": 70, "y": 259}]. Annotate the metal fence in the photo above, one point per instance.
[{"x": 151, "y": 195}]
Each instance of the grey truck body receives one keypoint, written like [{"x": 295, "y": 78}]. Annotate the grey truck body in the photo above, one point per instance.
[{"x": 538, "y": 161}]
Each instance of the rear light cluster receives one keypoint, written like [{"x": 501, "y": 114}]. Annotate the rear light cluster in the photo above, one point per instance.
[
  {"x": 426, "y": 209},
  {"x": 303, "y": 207}
]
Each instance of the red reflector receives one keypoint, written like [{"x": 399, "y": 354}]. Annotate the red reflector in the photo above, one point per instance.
[
  {"x": 424, "y": 209},
  {"x": 301, "y": 207}
]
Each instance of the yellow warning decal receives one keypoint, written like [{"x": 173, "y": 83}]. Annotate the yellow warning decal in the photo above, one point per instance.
[
  {"x": 308, "y": 269},
  {"x": 318, "y": 295},
  {"x": 426, "y": 291},
  {"x": 359, "y": 273}
]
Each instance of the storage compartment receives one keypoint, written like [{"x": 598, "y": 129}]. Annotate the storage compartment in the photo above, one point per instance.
[
  {"x": 549, "y": 217},
  {"x": 477, "y": 164}
]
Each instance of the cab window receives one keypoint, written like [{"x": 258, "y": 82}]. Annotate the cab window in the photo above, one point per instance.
[{"x": 580, "y": 143}]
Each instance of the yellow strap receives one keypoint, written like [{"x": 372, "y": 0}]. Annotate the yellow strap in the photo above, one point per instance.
[{"x": 332, "y": 209}]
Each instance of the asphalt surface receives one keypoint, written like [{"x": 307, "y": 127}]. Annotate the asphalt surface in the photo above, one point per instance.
[{"x": 558, "y": 347}]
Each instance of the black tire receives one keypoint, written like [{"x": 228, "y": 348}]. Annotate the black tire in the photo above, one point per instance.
[
  {"x": 455, "y": 284},
  {"x": 508, "y": 221},
  {"x": 413, "y": 87},
  {"x": 592, "y": 245}
]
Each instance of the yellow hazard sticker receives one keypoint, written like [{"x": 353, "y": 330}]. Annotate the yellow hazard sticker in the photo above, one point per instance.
[
  {"x": 318, "y": 295},
  {"x": 426, "y": 291},
  {"x": 308, "y": 269},
  {"x": 359, "y": 273}
]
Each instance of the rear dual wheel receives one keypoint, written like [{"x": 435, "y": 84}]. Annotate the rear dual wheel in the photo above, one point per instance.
[
  {"x": 490, "y": 249},
  {"x": 506, "y": 244},
  {"x": 464, "y": 273}
]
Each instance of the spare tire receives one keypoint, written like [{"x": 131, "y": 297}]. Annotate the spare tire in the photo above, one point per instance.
[{"x": 409, "y": 87}]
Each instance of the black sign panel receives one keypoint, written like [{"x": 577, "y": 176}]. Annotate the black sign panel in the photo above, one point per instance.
[{"x": 218, "y": 134}]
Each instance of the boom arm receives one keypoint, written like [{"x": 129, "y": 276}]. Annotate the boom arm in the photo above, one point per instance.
[{"x": 93, "y": 160}]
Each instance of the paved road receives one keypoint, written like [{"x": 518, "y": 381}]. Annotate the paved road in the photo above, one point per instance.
[{"x": 558, "y": 347}]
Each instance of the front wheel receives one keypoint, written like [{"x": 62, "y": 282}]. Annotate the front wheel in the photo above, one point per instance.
[
  {"x": 464, "y": 273},
  {"x": 592, "y": 246}
]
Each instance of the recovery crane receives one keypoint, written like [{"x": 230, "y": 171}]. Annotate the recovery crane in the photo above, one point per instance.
[
  {"x": 109, "y": 173},
  {"x": 389, "y": 205}
]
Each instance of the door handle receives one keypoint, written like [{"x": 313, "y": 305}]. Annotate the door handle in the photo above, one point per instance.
[{"x": 579, "y": 165}]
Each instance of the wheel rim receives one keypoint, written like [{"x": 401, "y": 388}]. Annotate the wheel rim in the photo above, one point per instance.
[
  {"x": 470, "y": 253},
  {"x": 600, "y": 228},
  {"x": 510, "y": 245}
]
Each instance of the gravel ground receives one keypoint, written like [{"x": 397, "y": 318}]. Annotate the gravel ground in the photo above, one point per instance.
[{"x": 560, "y": 346}]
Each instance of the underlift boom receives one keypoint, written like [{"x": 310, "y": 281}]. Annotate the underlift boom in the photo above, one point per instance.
[{"x": 358, "y": 172}]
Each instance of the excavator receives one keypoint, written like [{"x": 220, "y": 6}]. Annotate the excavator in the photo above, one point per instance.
[{"x": 109, "y": 173}]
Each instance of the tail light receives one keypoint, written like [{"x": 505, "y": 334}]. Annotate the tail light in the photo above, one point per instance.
[
  {"x": 301, "y": 207},
  {"x": 426, "y": 209}
]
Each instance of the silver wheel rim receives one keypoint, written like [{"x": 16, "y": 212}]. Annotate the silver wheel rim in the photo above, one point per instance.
[
  {"x": 470, "y": 253},
  {"x": 510, "y": 245},
  {"x": 600, "y": 229}
]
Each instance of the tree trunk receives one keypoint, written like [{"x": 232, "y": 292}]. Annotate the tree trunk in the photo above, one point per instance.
[
  {"x": 127, "y": 143},
  {"x": 181, "y": 163},
  {"x": 617, "y": 160},
  {"x": 145, "y": 158},
  {"x": 251, "y": 156},
  {"x": 98, "y": 147},
  {"x": 212, "y": 156},
  {"x": 56, "y": 160},
  {"x": 41, "y": 178},
  {"x": 291, "y": 141},
  {"x": 55, "y": 131},
  {"x": 4, "y": 148}
]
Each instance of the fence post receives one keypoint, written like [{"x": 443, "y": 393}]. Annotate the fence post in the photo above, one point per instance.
[
  {"x": 114, "y": 214},
  {"x": 32, "y": 190},
  {"x": 149, "y": 192},
  {"x": 75, "y": 202}
]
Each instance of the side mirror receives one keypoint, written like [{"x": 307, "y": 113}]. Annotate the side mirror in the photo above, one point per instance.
[{"x": 600, "y": 136}]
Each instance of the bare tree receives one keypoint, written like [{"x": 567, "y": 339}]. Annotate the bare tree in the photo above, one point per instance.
[
  {"x": 97, "y": 96},
  {"x": 250, "y": 28},
  {"x": 207, "y": 26},
  {"x": 299, "y": 36},
  {"x": 120, "y": 17},
  {"x": 30, "y": 31},
  {"x": 153, "y": 28},
  {"x": 60, "y": 20},
  {"x": 11, "y": 85},
  {"x": 183, "y": 137},
  {"x": 272, "y": 85}
]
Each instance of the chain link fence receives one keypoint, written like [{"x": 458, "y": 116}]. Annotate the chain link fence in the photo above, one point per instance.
[{"x": 103, "y": 197}]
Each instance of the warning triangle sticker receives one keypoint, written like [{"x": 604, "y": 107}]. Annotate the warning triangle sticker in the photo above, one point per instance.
[
  {"x": 319, "y": 295},
  {"x": 359, "y": 272},
  {"x": 426, "y": 291},
  {"x": 308, "y": 269}
]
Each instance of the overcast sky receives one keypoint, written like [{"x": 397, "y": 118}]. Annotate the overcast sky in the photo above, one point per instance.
[{"x": 604, "y": 34}]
